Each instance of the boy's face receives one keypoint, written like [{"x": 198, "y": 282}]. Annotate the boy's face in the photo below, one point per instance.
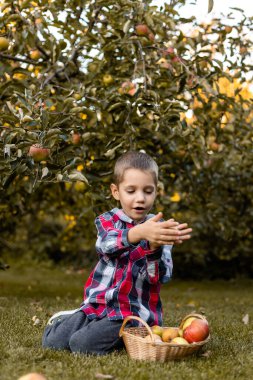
[{"x": 136, "y": 193}]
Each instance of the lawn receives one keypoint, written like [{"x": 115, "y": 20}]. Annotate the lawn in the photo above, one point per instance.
[{"x": 30, "y": 294}]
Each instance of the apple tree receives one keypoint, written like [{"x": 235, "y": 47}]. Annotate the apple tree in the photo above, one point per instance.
[{"x": 82, "y": 82}]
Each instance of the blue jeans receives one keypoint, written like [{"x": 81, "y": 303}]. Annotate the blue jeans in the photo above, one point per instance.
[{"x": 77, "y": 333}]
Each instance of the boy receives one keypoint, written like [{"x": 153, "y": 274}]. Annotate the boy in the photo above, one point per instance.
[{"x": 134, "y": 249}]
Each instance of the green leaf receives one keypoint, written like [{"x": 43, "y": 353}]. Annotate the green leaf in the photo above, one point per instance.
[{"x": 76, "y": 175}]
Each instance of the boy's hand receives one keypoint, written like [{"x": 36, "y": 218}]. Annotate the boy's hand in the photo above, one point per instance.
[{"x": 159, "y": 233}]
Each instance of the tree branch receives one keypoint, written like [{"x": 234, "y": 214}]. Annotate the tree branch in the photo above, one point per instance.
[
  {"x": 25, "y": 60},
  {"x": 74, "y": 51}
]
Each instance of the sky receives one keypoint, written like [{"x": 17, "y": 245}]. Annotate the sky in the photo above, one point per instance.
[{"x": 199, "y": 10}]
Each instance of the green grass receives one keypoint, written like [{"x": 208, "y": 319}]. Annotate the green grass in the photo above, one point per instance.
[{"x": 41, "y": 290}]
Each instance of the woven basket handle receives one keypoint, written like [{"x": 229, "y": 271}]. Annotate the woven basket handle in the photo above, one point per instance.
[{"x": 127, "y": 319}]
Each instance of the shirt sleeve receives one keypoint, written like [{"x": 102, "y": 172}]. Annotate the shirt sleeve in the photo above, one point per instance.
[
  {"x": 110, "y": 240},
  {"x": 165, "y": 264},
  {"x": 159, "y": 265}
]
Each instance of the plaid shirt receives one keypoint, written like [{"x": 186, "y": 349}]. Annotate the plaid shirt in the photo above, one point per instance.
[{"x": 127, "y": 278}]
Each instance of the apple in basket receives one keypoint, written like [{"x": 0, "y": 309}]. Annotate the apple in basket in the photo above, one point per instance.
[
  {"x": 169, "y": 333},
  {"x": 195, "y": 330},
  {"x": 156, "y": 338},
  {"x": 179, "y": 340},
  {"x": 158, "y": 330}
]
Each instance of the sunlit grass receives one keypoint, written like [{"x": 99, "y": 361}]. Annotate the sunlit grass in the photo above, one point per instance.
[{"x": 29, "y": 291}]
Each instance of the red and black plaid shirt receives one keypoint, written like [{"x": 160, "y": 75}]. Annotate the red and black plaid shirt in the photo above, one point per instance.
[{"x": 127, "y": 278}]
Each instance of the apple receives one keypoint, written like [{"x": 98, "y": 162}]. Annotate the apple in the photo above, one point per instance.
[
  {"x": 169, "y": 334},
  {"x": 158, "y": 330},
  {"x": 107, "y": 79},
  {"x": 35, "y": 54},
  {"x": 92, "y": 67},
  {"x": 38, "y": 152},
  {"x": 32, "y": 376},
  {"x": 4, "y": 43},
  {"x": 142, "y": 30},
  {"x": 169, "y": 51},
  {"x": 188, "y": 322},
  {"x": 80, "y": 186},
  {"x": 228, "y": 29},
  {"x": 77, "y": 96},
  {"x": 196, "y": 331},
  {"x": 76, "y": 137},
  {"x": 179, "y": 340},
  {"x": 128, "y": 87},
  {"x": 214, "y": 146},
  {"x": 175, "y": 59},
  {"x": 243, "y": 50},
  {"x": 156, "y": 337}
]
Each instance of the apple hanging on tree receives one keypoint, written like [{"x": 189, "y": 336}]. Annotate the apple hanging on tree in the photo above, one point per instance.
[
  {"x": 38, "y": 152},
  {"x": 129, "y": 88},
  {"x": 76, "y": 138},
  {"x": 35, "y": 54},
  {"x": 4, "y": 43},
  {"x": 143, "y": 30}
]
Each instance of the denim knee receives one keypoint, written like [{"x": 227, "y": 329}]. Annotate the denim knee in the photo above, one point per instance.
[
  {"x": 49, "y": 340},
  {"x": 80, "y": 344}
]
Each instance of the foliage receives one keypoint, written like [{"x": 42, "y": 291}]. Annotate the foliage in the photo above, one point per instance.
[{"x": 79, "y": 79}]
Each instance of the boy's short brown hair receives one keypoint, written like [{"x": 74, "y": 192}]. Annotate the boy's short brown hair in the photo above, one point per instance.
[{"x": 134, "y": 160}]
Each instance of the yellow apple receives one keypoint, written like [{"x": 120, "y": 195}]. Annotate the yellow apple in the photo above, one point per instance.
[
  {"x": 158, "y": 330},
  {"x": 35, "y": 54},
  {"x": 107, "y": 79},
  {"x": 4, "y": 43},
  {"x": 179, "y": 340},
  {"x": 169, "y": 334}
]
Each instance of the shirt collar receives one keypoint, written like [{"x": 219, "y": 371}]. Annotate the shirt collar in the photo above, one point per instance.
[{"x": 120, "y": 213}]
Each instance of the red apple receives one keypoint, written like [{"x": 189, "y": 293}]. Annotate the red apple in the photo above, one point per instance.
[
  {"x": 128, "y": 88},
  {"x": 38, "y": 152},
  {"x": 76, "y": 137},
  {"x": 196, "y": 331},
  {"x": 169, "y": 51},
  {"x": 142, "y": 30},
  {"x": 175, "y": 59}
]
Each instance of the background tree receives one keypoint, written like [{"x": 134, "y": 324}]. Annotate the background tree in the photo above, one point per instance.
[{"x": 82, "y": 82}]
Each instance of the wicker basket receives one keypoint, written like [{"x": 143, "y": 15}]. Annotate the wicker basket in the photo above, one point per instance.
[{"x": 140, "y": 349}]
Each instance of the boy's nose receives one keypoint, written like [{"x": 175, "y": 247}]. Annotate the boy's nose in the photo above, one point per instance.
[{"x": 140, "y": 197}]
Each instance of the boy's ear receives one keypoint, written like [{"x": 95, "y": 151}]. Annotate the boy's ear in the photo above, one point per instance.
[{"x": 115, "y": 191}]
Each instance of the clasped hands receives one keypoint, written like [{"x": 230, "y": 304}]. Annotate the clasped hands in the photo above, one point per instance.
[
  {"x": 168, "y": 232},
  {"x": 158, "y": 233}
]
